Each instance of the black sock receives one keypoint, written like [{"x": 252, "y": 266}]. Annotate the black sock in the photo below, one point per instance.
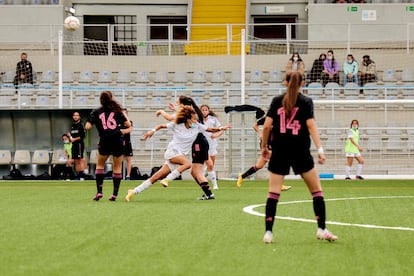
[
  {"x": 206, "y": 188},
  {"x": 100, "y": 176},
  {"x": 271, "y": 206},
  {"x": 320, "y": 211},
  {"x": 116, "y": 179},
  {"x": 250, "y": 171},
  {"x": 68, "y": 172}
]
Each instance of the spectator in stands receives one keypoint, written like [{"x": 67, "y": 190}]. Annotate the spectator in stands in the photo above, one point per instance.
[
  {"x": 108, "y": 120},
  {"x": 128, "y": 153},
  {"x": 67, "y": 145},
  {"x": 24, "y": 71},
  {"x": 350, "y": 70},
  {"x": 330, "y": 69},
  {"x": 295, "y": 64},
  {"x": 353, "y": 150},
  {"x": 367, "y": 72},
  {"x": 317, "y": 68},
  {"x": 210, "y": 120}
]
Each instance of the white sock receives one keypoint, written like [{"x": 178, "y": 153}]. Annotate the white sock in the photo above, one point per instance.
[
  {"x": 359, "y": 169},
  {"x": 173, "y": 175},
  {"x": 347, "y": 171},
  {"x": 213, "y": 178},
  {"x": 144, "y": 185}
]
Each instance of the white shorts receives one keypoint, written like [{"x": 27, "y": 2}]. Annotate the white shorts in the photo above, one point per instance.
[
  {"x": 172, "y": 166},
  {"x": 212, "y": 150},
  {"x": 351, "y": 154},
  {"x": 171, "y": 153}
]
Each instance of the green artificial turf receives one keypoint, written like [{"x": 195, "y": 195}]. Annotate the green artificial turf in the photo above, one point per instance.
[{"x": 55, "y": 228}]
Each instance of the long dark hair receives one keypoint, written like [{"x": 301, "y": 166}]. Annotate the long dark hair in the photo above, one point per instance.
[
  {"x": 184, "y": 100},
  {"x": 108, "y": 103},
  {"x": 294, "y": 80}
]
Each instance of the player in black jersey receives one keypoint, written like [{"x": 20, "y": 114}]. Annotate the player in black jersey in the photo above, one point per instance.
[
  {"x": 108, "y": 119},
  {"x": 77, "y": 136},
  {"x": 291, "y": 121}
]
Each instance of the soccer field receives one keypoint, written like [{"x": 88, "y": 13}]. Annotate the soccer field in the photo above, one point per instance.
[{"x": 54, "y": 228}]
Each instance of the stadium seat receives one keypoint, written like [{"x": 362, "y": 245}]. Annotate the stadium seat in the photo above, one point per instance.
[
  {"x": 407, "y": 76},
  {"x": 218, "y": 77},
  {"x": 315, "y": 91},
  {"x": 199, "y": 77},
  {"x": 86, "y": 77},
  {"x": 105, "y": 77},
  {"x": 48, "y": 76},
  {"x": 275, "y": 76},
  {"x": 67, "y": 77},
  {"x": 142, "y": 78},
  {"x": 5, "y": 158},
  {"x": 123, "y": 77},
  {"x": 22, "y": 157},
  {"x": 180, "y": 78},
  {"x": 351, "y": 89},
  {"x": 58, "y": 157},
  {"x": 41, "y": 157},
  {"x": 256, "y": 76},
  {"x": 161, "y": 78},
  {"x": 389, "y": 76},
  {"x": 8, "y": 97},
  {"x": 331, "y": 88}
]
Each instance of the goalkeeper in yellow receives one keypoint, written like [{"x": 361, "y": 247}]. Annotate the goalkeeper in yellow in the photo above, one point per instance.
[{"x": 353, "y": 150}]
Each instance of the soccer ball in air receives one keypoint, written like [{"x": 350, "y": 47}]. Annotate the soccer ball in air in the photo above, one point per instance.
[{"x": 71, "y": 23}]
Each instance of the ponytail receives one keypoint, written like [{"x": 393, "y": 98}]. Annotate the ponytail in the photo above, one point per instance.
[{"x": 294, "y": 80}]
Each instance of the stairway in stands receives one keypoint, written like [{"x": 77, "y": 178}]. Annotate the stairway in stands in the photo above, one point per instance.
[{"x": 216, "y": 12}]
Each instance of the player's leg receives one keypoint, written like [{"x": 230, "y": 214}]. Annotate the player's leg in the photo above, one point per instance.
[
  {"x": 312, "y": 180},
  {"x": 183, "y": 164},
  {"x": 198, "y": 175},
  {"x": 100, "y": 175},
  {"x": 360, "y": 166},
  {"x": 349, "y": 160}
]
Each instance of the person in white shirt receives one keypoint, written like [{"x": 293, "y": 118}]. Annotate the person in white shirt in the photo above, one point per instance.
[
  {"x": 185, "y": 130},
  {"x": 210, "y": 120}
]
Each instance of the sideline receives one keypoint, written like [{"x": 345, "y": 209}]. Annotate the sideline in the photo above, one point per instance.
[{"x": 250, "y": 210}]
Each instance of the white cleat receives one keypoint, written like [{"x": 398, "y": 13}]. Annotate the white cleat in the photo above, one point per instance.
[
  {"x": 130, "y": 195},
  {"x": 164, "y": 182},
  {"x": 325, "y": 235},
  {"x": 268, "y": 237}
]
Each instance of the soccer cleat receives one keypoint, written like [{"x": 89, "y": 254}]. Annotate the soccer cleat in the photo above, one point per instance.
[
  {"x": 239, "y": 181},
  {"x": 268, "y": 237},
  {"x": 127, "y": 178},
  {"x": 206, "y": 197},
  {"x": 347, "y": 178},
  {"x": 359, "y": 177},
  {"x": 285, "y": 188},
  {"x": 325, "y": 235},
  {"x": 164, "y": 182},
  {"x": 98, "y": 196},
  {"x": 112, "y": 198},
  {"x": 130, "y": 195}
]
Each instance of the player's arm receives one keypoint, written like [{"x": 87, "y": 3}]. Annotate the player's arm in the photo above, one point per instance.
[
  {"x": 217, "y": 129},
  {"x": 313, "y": 131},
  {"x": 267, "y": 128},
  {"x": 164, "y": 114},
  {"x": 149, "y": 134},
  {"x": 88, "y": 125}
]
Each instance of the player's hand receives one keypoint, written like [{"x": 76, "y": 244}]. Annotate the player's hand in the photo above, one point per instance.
[
  {"x": 158, "y": 112},
  {"x": 321, "y": 158},
  {"x": 265, "y": 153},
  {"x": 171, "y": 106},
  {"x": 148, "y": 134}
]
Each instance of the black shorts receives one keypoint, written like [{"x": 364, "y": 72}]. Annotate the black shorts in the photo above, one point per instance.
[
  {"x": 111, "y": 146},
  {"x": 281, "y": 162},
  {"x": 128, "y": 149},
  {"x": 77, "y": 150},
  {"x": 199, "y": 149}
]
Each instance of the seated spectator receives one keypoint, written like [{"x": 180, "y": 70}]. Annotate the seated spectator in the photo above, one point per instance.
[
  {"x": 295, "y": 64},
  {"x": 317, "y": 68},
  {"x": 24, "y": 71},
  {"x": 330, "y": 71},
  {"x": 367, "y": 71},
  {"x": 350, "y": 70}
]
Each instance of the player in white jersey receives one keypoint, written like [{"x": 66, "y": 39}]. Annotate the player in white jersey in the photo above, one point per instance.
[
  {"x": 210, "y": 120},
  {"x": 185, "y": 131}
]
